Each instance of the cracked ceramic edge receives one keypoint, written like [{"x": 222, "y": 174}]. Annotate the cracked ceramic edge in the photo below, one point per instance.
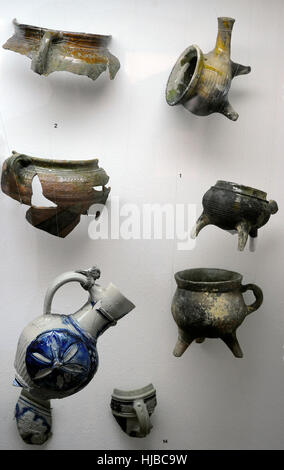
[
  {"x": 136, "y": 394},
  {"x": 67, "y": 183},
  {"x": 132, "y": 409},
  {"x": 52, "y": 50}
]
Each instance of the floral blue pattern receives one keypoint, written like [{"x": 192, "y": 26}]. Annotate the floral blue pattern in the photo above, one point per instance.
[{"x": 61, "y": 360}]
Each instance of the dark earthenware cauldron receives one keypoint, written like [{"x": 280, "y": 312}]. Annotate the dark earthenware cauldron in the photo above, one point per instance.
[
  {"x": 231, "y": 206},
  {"x": 208, "y": 303}
]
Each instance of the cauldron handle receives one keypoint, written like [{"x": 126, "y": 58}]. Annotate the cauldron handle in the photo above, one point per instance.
[{"x": 258, "y": 297}]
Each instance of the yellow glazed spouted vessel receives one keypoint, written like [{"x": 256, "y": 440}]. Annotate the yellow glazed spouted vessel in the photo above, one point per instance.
[{"x": 201, "y": 82}]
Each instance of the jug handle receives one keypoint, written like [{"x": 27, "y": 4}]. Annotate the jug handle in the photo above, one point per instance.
[
  {"x": 86, "y": 282},
  {"x": 258, "y": 297},
  {"x": 143, "y": 417}
]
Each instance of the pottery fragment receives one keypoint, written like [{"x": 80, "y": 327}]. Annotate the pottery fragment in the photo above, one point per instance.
[
  {"x": 132, "y": 409},
  {"x": 67, "y": 183},
  {"x": 51, "y": 50}
]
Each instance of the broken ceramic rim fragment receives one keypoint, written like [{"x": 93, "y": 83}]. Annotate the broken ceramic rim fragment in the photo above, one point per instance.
[
  {"x": 132, "y": 409},
  {"x": 235, "y": 207},
  {"x": 201, "y": 82},
  {"x": 52, "y": 50},
  {"x": 69, "y": 184}
]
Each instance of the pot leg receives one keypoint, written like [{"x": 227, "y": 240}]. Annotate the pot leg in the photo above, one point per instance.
[
  {"x": 200, "y": 224},
  {"x": 228, "y": 111},
  {"x": 182, "y": 344},
  {"x": 238, "y": 69},
  {"x": 243, "y": 229},
  {"x": 33, "y": 417},
  {"x": 232, "y": 342},
  {"x": 252, "y": 240},
  {"x": 200, "y": 340}
]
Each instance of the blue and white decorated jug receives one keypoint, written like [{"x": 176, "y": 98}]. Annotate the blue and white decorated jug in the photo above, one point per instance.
[{"x": 57, "y": 355}]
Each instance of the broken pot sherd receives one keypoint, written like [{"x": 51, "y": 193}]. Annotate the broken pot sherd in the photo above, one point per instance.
[
  {"x": 51, "y": 50},
  {"x": 69, "y": 185},
  {"x": 132, "y": 409}
]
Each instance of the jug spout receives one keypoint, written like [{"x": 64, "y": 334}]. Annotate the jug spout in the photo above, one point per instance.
[
  {"x": 223, "y": 41},
  {"x": 97, "y": 317}
]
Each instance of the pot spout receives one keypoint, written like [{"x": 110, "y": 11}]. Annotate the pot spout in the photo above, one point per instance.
[
  {"x": 201, "y": 82},
  {"x": 223, "y": 41}
]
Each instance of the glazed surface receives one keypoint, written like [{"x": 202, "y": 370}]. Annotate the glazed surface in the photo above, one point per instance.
[
  {"x": 52, "y": 50},
  {"x": 68, "y": 184}
]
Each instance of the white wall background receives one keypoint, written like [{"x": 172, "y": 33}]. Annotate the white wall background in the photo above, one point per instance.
[{"x": 207, "y": 398}]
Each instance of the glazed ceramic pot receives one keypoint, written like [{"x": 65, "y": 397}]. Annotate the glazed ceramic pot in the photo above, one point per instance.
[
  {"x": 57, "y": 354},
  {"x": 132, "y": 410},
  {"x": 51, "y": 50},
  {"x": 232, "y": 206},
  {"x": 68, "y": 184},
  {"x": 201, "y": 82},
  {"x": 208, "y": 303}
]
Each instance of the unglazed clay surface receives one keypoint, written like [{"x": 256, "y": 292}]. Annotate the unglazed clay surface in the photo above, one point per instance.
[
  {"x": 51, "y": 51},
  {"x": 232, "y": 206},
  {"x": 208, "y": 303}
]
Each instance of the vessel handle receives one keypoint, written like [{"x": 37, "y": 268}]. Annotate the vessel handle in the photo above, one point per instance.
[
  {"x": 86, "y": 282},
  {"x": 273, "y": 206},
  {"x": 258, "y": 297},
  {"x": 40, "y": 60},
  {"x": 143, "y": 417}
]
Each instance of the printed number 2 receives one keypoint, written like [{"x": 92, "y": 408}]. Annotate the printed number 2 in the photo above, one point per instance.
[{"x": 55, "y": 125}]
